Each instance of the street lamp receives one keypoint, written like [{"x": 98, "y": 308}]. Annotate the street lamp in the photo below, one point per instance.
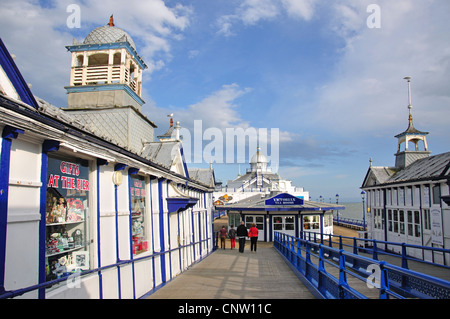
[
  {"x": 337, "y": 210},
  {"x": 363, "y": 197}
]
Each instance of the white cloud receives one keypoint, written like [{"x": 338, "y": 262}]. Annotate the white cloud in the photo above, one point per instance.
[
  {"x": 367, "y": 92},
  {"x": 250, "y": 12},
  {"x": 38, "y": 35},
  {"x": 219, "y": 109},
  {"x": 300, "y": 8}
]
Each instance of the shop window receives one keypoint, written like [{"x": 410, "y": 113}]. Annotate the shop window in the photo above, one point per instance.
[
  {"x": 289, "y": 223},
  {"x": 402, "y": 222},
  {"x": 234, "y": 219},
  {"x": 436, "y": 195},
  {"x": 278, "y": 223},
  {"x": 426, "y": 219},
  {"x": 67, "y": 244},
  {"x": 395, "y": 221},
  {"x": 414, "y": 223},
  {"x": 389, "y": 220},
  {"x": 311, "y": 222},
  {"x": 328, "y": 220},
  {"x": 138, "y": 209}
]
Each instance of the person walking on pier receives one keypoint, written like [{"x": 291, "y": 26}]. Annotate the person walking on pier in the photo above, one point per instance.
[
  {"x": 232, "y": 236},
  {"x": 241, "y": 233},
  {"x": 253, "y": 234},
  {"x": 223, "y": 236}
]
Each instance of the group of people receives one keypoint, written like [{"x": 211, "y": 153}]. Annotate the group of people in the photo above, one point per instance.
[{"x": 241, "y": 233}]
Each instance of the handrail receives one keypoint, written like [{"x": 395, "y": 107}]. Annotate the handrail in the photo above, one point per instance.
[
  {"x": 18, "y": 292},
  {"x": 336, "y": 273},
  {"x": 349, "y": 221},
  {"x": 377, "y": 247}
]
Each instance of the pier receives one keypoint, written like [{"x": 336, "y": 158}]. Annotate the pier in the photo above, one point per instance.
[{"x": 271, "y": 272}]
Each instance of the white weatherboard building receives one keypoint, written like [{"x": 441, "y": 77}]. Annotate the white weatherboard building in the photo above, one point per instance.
[
  {"x": 91, "y": 205},
  {"x": 409, "y": 202}
]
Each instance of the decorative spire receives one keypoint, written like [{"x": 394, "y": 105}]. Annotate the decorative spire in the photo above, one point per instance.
[
  {"x": 408, "y": 78},
  {"x": 111, "y": 21}
]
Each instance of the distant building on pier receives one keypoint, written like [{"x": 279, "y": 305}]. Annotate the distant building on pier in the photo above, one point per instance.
[{"x": 409, "y": 202}]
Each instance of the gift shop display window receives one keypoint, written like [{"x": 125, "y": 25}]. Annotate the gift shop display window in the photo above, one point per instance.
[
  {"x": 66, "y": 216},
  {"x": 311, "y": 222},
  {"x": 138, "y": 209}
]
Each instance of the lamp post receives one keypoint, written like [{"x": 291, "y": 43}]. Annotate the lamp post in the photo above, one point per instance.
[
  {"x": 337, "y": 210},
  {"x": 363, "y": 197}
]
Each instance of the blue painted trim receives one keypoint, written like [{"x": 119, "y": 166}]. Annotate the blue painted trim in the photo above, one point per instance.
[
  {"x": 119, "y": 167},
  {"x": 161, "y": 229},
  {"x": 8, "y": 134},
  {"x": 206, "y": 220},
  {"x": 107, "y": 46},
  {"x": 131, "y": 235},
  {"x": 105, "y": 87},
  {"x": 178, "y": 204},
  {"x": 116, "y": 208},
  {"x": 133, "y": 171},
  {"x": 270, "y": 228},
  {"x": 153, "y": 235},
  {"x": 169, "y": 235},
  {"x": 16, "y": 78},
  {"x": 47, "y": 146},
  {"x": 184, "y": 162},
  {"x": 100, "y": 162},
  {"x": 179, "y": 242},
  {"x": 199, "y": 234},
  {"x": 193, "y": 234}
]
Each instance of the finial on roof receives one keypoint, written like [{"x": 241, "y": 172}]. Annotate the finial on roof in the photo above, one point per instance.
[
  {"x": 408, "y": 78},
  {"x": 111, "y": 21},
  {"x": 171, "y": 119}
]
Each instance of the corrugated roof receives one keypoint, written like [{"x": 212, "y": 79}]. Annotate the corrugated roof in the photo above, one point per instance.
[
  {"x": 427, "y": 168},
  {"x": 202, "y": 175}
]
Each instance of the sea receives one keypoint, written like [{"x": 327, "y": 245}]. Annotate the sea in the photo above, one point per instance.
[{"x": 352, "y": 210}]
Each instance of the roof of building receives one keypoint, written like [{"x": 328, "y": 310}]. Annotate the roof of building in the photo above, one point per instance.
[
  {"x": 411, "y": 129},
  {"x": 202, "y": 175},
  {"x": 429, "y": 168},
  {"x": 259, "y": 157},
  {"x": 108, "y": 34}
]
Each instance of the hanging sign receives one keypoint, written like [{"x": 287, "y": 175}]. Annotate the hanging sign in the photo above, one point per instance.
[
  {"x": 284, "y": 199},
  {"x": 436, "y": 226}
]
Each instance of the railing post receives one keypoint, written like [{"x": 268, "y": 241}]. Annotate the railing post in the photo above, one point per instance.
[
  {"x": 321, "y": 270},
  {"x": 404, "y": 257},
  {"x": 308, "y": 252},
  {"x": 340, "y": 242},
  {"x": 384, "y": 281},
  {"x": 342, "y": 275},
  {"x": 299, "y": 255},
  {"x": 375, "y": 250},
  {"x": 355, "y": 246}
]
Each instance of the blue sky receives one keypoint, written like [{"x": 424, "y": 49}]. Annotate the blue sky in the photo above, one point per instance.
[{"x": 312, "y": 69}]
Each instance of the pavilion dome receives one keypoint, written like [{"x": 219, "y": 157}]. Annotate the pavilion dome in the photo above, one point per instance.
[
  {"x": 259, "y": 157},
  {"x": 108, "y": 34}
]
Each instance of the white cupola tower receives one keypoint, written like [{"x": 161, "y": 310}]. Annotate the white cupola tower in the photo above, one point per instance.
[
  {"x": 105, "y": 70},
  {"x": 405, "y": 156},
  {"x": 106, "y": 86}
]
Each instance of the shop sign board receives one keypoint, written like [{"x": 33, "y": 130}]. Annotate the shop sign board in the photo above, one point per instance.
[{"x": 284, "y": 199}]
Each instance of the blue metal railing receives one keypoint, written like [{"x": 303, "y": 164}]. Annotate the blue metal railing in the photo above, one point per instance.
[
  {"x": 349, "y": 222},
  {"x": 120, "y": 263},
  {"x": 379, "y": 247},
  {"x": 337, "y": 274}
]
